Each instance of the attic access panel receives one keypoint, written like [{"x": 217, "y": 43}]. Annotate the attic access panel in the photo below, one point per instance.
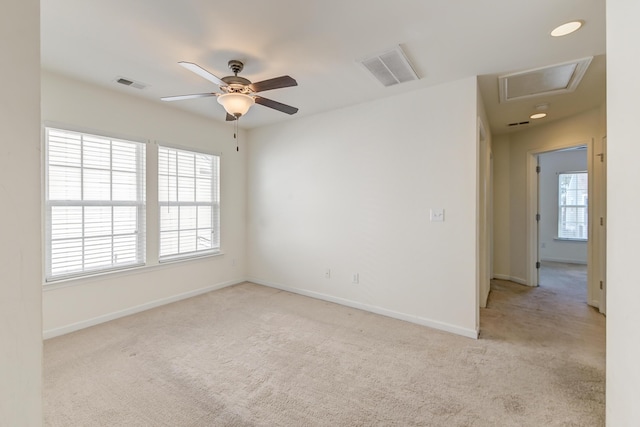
[{"x": 552, "y": 80}]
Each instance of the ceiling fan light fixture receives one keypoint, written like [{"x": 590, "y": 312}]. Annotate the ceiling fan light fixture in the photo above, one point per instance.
[{"x": 236, "y": 104}]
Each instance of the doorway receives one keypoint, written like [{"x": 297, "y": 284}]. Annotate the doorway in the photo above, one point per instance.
[
  {"x": 556, "y": 233},
  {"x": 563, "y": 221}
]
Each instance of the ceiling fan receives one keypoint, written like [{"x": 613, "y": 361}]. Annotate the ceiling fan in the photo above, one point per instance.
[{"x": 238, "y": 93}]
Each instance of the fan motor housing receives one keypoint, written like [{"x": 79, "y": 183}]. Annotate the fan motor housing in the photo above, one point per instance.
[{"x": 236, "y": 80}]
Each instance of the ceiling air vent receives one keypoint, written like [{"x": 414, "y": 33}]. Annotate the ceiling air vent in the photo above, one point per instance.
[
  {"x": 515, "y": 124},
  {"x": 556, "y": 79},
  {"x": 390, "y": 68},
  {"x": 129, "y": 82}
]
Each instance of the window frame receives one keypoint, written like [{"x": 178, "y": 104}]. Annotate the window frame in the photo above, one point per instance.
[
  {"x": 560, "y": 206},
  {"x": 213, "y": 204},
  {"x": 139, "y": 148}
]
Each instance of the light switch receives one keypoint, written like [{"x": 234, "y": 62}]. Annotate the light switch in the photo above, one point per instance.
[{"x": 437, "y": 215}]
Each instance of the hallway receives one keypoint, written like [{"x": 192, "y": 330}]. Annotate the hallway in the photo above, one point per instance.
[
  {"x": 567, "y": 280},
  {"x": 554, "y": 334}
]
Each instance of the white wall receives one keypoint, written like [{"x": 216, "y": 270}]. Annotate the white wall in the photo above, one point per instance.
[
  {"x": 623, "y": 295},
  {"x": 501, "y": 146},
  {"x": 510, "y": 161},
  {"x": 78, "y": 303},
  {"x": 552, "y": 249},
  {"x": 351, "y": 190},
  {"x": 20, "y": 261}
]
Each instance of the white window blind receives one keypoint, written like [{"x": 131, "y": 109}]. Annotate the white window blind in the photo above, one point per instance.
[
  {"x": 189, "y": 201},
  {"x": 573, "y": 202},
  {"x": 95, "y": 203}
]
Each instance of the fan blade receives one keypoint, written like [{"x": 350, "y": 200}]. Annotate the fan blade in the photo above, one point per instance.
[
  {"x": 231, "y": 118},
  {"x": 276, "y": 105},
  {"x": 275, "y": 83},
  {"x": 181, "y": 97},
  {"x": 202, "y": 72}
]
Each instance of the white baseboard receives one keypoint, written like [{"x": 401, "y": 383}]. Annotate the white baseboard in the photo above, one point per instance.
[
  {"x": 51, "y": 333},
  {"x": 469, "y": 333},
  {"x": 510, "y": 278}
]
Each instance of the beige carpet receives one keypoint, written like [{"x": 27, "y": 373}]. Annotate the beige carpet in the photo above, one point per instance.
[{"x": 254, "y": 356}]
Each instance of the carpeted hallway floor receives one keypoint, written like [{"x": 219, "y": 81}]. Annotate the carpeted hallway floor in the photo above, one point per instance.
[{"x": 248, "y": 355}]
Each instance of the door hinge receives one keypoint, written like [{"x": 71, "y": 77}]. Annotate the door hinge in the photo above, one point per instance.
[
  {"x": 601, "y": 221},
  {"x": 601, "y": 284},
  {"x": 537, "y": 217},
  {"x": 538, "y": 264},
  {"x": 537, "y": 169}
]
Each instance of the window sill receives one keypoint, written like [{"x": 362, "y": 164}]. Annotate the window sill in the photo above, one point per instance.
[
  {"x": 566, "y": 239},
  {"x": 113, "y": 274},
  {"x": 188, "y": 257}
]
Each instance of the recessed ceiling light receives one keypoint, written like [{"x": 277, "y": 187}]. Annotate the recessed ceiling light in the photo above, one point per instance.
[
  {"x": 538, "y": 116},
  {"x": 567, "y": 28}
]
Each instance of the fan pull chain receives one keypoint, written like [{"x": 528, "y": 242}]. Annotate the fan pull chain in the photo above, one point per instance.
[{"x": 235, "y": 133}]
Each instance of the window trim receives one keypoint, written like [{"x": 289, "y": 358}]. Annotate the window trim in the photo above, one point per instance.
[
  {"x": 140, "y": 203},
  {"x": 214, "y": 204},
  {"x": 123, "y": 272},
  {"x": 151, "y": 205}
]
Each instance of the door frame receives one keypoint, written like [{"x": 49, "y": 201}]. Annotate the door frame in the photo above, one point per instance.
[
  {"x": 484, "y": 202},
  {"x": 595, "y": 252},
  {"x": 600, "y": 223}
]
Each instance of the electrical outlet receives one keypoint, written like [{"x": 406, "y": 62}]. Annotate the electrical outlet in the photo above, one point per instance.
[
  {"x": 327, "y": 273},
  {"x": 355, "y": 278}
]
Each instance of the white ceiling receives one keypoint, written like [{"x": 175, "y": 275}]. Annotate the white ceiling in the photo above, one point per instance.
[{"x": 320, "y": 44}]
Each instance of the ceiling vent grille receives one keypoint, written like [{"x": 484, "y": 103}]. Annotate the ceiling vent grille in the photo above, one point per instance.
[
  {"x": 129, "y": 82},
  {"x": 556, "y": 79},
  {"x": 516, "y": 124},
  {"x": 391, "y": 68}
]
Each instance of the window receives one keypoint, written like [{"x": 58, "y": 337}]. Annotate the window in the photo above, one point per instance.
[
  {"x": 573, "y": 201},
  {"x": 94, "y": 202},
  {"x": 189, "y": 203}
]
